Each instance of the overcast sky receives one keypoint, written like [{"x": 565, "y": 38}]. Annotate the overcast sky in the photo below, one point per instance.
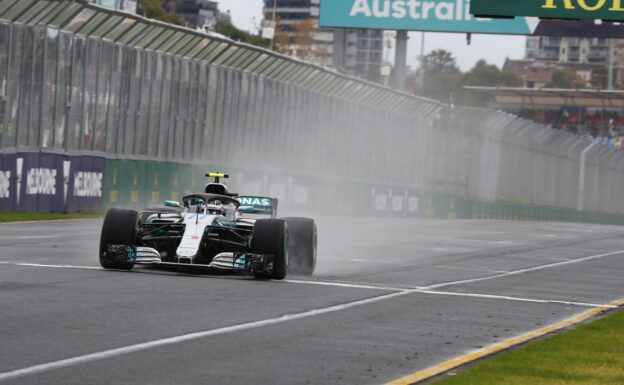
[{"x": 494, "y": 49}]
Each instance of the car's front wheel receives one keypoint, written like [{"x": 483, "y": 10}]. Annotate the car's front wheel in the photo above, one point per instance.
[
  {"x": 119, "y": 228},
  {"x": 270, "y": 237}
]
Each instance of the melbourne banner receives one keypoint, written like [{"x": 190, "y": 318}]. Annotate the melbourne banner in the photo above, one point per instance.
[
  {"x": 39, "y": 182},
  {"x": 417, "y": 15}
]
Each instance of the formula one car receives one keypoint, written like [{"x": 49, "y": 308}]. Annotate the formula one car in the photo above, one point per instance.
[{"x": 214, "y": 230}]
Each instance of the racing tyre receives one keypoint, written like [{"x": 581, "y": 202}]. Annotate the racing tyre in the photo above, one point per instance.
[
  {"x": 119, "y": 229},
  {"x": 270, "y": 236},
  {"x": 301, "y": 245}
]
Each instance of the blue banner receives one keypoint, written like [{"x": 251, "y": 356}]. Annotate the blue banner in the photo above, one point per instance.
[
  {"x": 416, "y": 15},
  {"x": 40, "y": 182}
]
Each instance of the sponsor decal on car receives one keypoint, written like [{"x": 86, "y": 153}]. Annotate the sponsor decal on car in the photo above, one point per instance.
[
  {"x": 5, "y": 184},
  {"x": 254, "y": 201}
]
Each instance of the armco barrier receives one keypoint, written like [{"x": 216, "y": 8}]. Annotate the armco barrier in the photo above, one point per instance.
[{"x": 44, "y": 182}]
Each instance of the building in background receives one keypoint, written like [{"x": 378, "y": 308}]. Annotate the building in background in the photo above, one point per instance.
[
  {"x": 583, "y": 55},
  {"x": 122, "y": 5},
  {"x": 297, "y": 25},
  {"x": 202, "y": 14},
  {"x": 355, "y": 52},
  {"x": 568, "y": 49}
]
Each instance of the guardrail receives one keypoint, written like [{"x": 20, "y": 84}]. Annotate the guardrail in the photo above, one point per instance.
[{"x": 77, "y": 79}]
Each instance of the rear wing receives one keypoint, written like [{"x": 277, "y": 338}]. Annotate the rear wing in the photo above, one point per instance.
[{"x": 257, "y": 205}]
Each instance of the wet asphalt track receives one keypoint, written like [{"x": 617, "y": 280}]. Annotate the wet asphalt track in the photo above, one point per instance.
[{"x": 377, "y": 309}]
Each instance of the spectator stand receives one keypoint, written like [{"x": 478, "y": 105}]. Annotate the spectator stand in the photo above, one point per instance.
[{"x": 593, "y": 114}]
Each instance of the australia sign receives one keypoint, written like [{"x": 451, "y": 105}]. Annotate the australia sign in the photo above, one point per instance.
[
  {"x": 418, "y": 15},
  {"x": 558, "y": 9}
]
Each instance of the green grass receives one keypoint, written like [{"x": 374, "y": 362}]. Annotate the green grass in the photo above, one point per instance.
[
  {"x": 592, "y": 354},
  {"x": 26, "y": 217}
]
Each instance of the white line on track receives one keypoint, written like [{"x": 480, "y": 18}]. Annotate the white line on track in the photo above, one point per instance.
[
  {"x": 188, "y": 337},
  {"x": 522, "y": 271},
  {"x": 10, "y": 237},
  {"x": 468, "y": 269},
  {"x": 344, "y": 284},
  {"x": 519, "y": 299},
  {"x": 26, "y": 264}
]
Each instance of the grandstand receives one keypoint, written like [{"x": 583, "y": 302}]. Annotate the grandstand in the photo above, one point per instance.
[{"x": 594, "y": 114}]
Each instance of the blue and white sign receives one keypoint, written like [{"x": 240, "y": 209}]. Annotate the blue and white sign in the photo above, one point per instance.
[
  {"x": 113, "y": 4},
  {"x": 418, "y": 15}
]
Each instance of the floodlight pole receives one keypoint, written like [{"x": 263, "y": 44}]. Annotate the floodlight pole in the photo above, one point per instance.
[
  {"x": 400, "y": 61},
  {"x": 421, "y": 59},
  {"x": 610, "y": 65},
  {"x": 274, "y": 23}
]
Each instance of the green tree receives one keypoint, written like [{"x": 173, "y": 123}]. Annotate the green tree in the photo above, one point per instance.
[
  {"x": 154, "y": 10},
  {"x": 226, "y": 28},
  {"x": 439, "y": 61},
  {"x": 486, "y": 75},
  {"x": 599, "y": 78},
  {"x": 489, "y": 75},
  {"x": 566, "y": 78},
  {"x": 441, "y": 78}
]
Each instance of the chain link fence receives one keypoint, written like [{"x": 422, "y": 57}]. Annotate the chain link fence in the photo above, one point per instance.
[{"x": 79, "y": 79}]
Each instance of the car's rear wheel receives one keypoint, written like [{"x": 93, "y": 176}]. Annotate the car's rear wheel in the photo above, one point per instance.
[
  {"x": 302, "y": 239},
  {"x": 119, "y": 228},
  {"x": 270, "y": 237}
]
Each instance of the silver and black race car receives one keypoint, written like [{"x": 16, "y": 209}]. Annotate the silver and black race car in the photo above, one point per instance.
[{"x": 215, "y": 230}]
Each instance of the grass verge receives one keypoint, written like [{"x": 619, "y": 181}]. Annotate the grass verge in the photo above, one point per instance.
[
  {"x": 28, "y": 217},
  {"x": 592, "y": 354}
]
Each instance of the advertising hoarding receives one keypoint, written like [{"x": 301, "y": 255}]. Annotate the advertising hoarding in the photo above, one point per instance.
[
  {"x": 451, "y": 16},
  {"x": 40, "y": 182},
  {"x": 413, "y": 15},
  {"x": 612, "y": 10},
  {"x": 129, "y": 6}
]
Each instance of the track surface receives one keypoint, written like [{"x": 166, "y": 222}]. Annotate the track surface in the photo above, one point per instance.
[{"x": 376, "y": 309}]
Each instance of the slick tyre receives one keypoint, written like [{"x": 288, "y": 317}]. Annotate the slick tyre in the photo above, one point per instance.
[
  {"x": 119, "y": 228},
  {"x": 301, "y": 245},
  {"x": 270, "y": 236}
]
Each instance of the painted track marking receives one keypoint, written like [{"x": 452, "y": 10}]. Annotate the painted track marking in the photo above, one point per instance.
[
  {"x": 346, "y": 284},
  {"x": 522, "y": 271},
  {"x": 188, "y": 337},
  {"x": 361, "y": 286},
  {"x": 310, "y": 313},
  {"x": 468, "y": 269},
  {"x": 501, "y": 346},
  {"x": 27, "y": 264},
  {"x": 519, "y": 299}
]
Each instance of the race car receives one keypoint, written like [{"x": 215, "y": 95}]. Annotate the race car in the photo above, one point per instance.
[{"x": 215, "y": 230}]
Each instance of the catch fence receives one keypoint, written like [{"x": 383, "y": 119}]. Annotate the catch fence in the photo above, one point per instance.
[{"x": 81, "y": 80}]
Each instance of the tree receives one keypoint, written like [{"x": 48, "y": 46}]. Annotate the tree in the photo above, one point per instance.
[
  {"x": 303, "y": 39},
  {"x": 439, "y": 62},
  {"x": 441, "y": 76},
  {"x": 226, "y": 28},
  {"x": 599, "y": 78},
  {"x": 281, "y": 40},
  {"x": 154, "y": 10},
  {"x": 566, "y": 78},
  {"x": 488, "y": 75},
  {"x": 445, "y": 87}
]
